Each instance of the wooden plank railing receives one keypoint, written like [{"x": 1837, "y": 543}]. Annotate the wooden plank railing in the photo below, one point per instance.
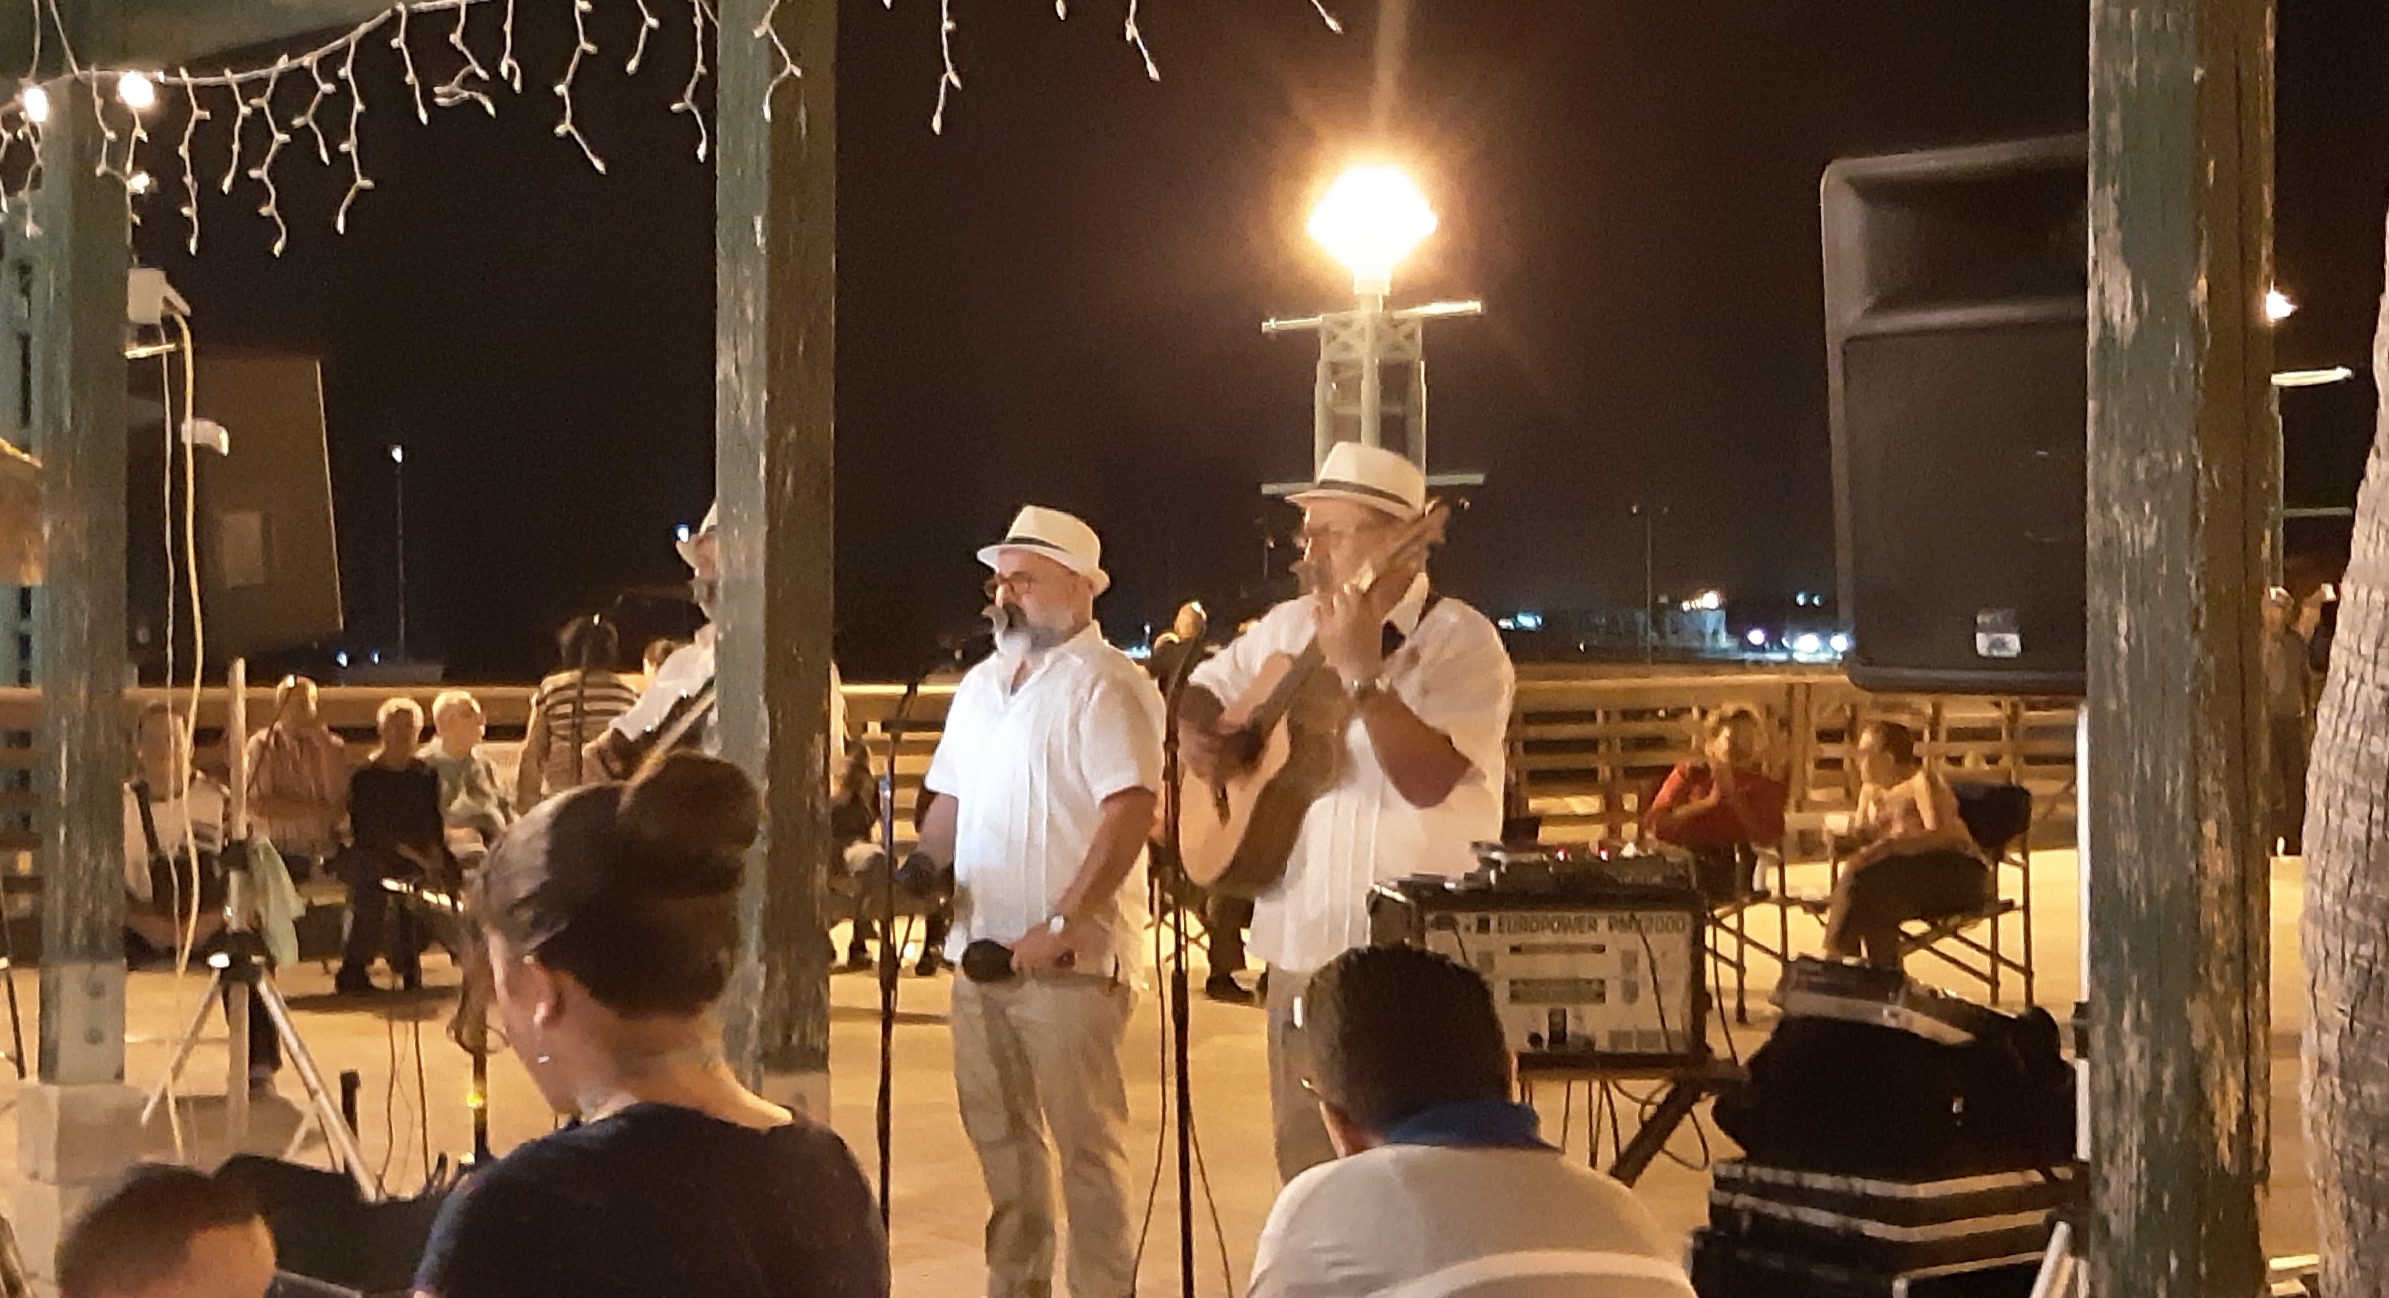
[{"x": 1589, "y": 742}]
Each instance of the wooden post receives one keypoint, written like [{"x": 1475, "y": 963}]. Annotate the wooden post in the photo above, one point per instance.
[
  {"x": 2180, "y": 229},
  {"x": 80, "y": 659},
  {"x": 775, "y": 232}
]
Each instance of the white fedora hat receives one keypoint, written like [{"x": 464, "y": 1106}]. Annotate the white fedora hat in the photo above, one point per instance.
[
  {"x": 711, "y": 525},
  {"x": 1369, "y": 475},
  {"x": 1057, "y": 536}
]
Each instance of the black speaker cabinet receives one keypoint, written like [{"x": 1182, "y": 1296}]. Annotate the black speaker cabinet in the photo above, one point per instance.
[
  {"x": 269, "y": 560},
  {"x": 1956, "y": 353}
]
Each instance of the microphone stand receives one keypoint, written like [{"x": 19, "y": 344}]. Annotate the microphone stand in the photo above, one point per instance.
[
  {"x": 1172, "y": 804},
  {"x": 885, "y": 1115}
]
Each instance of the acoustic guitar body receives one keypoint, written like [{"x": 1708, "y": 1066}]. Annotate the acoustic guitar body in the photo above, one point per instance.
[{"x": 1237, "y": 829}]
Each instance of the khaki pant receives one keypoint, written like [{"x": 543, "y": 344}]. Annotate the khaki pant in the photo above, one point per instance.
[
  {"x": 1296, "y": 1128},
  {"x": 1039, "y": 1054}
]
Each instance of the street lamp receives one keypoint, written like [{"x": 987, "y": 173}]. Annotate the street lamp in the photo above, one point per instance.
[
  {"x": 1650, "y": 588},
  {"x": 398, "y": 492},
  {"x": 1370, "y": 219}
]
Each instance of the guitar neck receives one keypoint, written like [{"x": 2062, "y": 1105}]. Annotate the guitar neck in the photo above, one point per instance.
[{"x": 1272, "y": 709}]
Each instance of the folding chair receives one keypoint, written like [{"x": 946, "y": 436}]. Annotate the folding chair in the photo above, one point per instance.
[{"x": 1998, "y": 817}]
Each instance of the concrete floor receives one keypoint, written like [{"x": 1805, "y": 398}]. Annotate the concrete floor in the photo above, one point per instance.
[{"x": 938, "y": 1204}]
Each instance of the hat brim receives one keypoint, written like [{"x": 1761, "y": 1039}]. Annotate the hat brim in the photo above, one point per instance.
[
  {"x": 1102, "y": 579},
  {"x": 1386, "y": 503}
]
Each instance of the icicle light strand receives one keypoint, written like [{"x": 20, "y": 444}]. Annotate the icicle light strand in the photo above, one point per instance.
[{"x": 253, "y": 93}]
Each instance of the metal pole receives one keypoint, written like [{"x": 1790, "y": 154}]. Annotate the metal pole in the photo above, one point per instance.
[
  {"x": 1372, "y": 395},
  {"x": 398, "y": 480}
]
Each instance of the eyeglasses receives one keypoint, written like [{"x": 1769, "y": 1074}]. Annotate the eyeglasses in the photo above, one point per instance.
[{"x": 1019, "y": 582}]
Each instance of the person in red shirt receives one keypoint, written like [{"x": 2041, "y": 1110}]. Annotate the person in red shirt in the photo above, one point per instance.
[{"x": 1720, "y": 806}]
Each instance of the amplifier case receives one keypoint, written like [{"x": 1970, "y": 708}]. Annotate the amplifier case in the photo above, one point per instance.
[{"x": 1894, "y": 1227}]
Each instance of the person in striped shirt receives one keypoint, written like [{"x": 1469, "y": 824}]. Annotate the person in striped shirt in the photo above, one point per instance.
[{"x": 571, "y": 707}]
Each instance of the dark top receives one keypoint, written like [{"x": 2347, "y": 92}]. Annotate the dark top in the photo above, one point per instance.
[
  {"x": 387, "y": 807},
  {"x": 659, "y": 1201}
]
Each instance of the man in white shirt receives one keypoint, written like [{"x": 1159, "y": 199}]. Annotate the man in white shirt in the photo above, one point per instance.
[
  {"x": 1441, "y": 1185},
  {"x": 1045, "y": 781},
  {"x": 688, "y": 672},
  {"x": 1430, "y": 686}
]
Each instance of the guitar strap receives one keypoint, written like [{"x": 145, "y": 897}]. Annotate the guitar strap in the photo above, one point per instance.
[{"x": 1391, "y": 639}]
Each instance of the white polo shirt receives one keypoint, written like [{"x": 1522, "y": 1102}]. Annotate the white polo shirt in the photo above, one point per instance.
[
  {"x": 1453, "y": 672},
  {"x": 1028, "y": 768},
  {"x": 1422, "y": 1220}
]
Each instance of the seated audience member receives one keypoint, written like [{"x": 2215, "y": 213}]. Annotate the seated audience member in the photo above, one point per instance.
[
  {"x": 1908, "y": 855},
  {"x": 573, "y": 706},
  {"x": 1441, "y": 1184},
  {"x": 395, "y": 832},
  {"x": 611, "y": 921},
  {"x": 1720, "y": 806},
  {"x": 474, "y": 808},
  {"x": 298, "y": 779},
  {"x": 168, "y": 1232},
  {"x": 173, "y": 836}
]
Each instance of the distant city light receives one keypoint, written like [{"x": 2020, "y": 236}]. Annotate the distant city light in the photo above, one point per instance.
[
  {"x": 397, "y": 453},
  {"x": 37, "y": 104},
  {"x": 681, "y": 532},
  {"x": 376, "y": 655},
  {"x": 1757, "y": 638},
  {"x": 1808, "y": 642},
  {"x": 2278, "y": 306},
  {"x": 1522, "y": 620},
  {"x": 1801, "y": 599},
  {"x": 1840, "y": 643},
  {"x": 1709, "y": 600},
  {"x": 341, "y": 658}
]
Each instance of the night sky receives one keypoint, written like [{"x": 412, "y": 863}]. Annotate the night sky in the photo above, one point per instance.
[{"x": 1058, "y": 300}]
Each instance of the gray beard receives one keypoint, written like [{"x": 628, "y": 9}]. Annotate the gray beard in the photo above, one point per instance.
[{"x": 1017, "y": 638}]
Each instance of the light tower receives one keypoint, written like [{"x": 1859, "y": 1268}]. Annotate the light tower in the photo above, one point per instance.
[{"x": 1369, "y": 220}]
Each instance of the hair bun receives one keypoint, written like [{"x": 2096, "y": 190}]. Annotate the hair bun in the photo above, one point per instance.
[{"x": 698, "y": 808}]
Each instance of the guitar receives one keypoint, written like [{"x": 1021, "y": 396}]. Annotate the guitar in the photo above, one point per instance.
[
  {"x": 623, "y": 756},
  {"x": 1285, "y": 748}
]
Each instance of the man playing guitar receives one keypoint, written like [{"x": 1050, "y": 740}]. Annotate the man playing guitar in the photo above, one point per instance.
[
  {"x": 1420, "y": 777},
  {"x": 677, "y": 707}
]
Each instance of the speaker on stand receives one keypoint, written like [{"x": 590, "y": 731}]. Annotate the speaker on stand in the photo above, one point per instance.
[{"x": 1956, "y": 355}]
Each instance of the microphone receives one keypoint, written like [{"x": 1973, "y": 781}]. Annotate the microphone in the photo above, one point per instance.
[{"x": 959, "y": 641}]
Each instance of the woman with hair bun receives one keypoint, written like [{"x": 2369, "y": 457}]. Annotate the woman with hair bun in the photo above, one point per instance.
[{"x": 610, "y": 916}]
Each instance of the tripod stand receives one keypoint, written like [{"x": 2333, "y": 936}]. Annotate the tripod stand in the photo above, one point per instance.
[{"x": 240, "y": 972}]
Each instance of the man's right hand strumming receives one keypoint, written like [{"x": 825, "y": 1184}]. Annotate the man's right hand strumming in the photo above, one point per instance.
[{"x": 1200, "y": 738}]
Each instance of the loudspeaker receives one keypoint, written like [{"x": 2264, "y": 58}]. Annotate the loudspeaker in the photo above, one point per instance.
[
  {"x": 1955, "y": 291},
  {"x": 325, "y": 1233},
  {"x": 269, "y": 558}
]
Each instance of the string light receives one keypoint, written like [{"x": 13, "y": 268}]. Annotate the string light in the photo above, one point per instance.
[
  {"x": 580, "y": 46},
  {"x": 190, "y": 177},
  {"x": 136, "y": 91},
  {"x": 688, "y": 96},
  {"x": 254, "y": 91},
  {"x": 647, "y": 24},
  {"x": 765, "y": 30},
  {"x": 1137, "y": 38},
  {"x": 951, "y": 80},
  {"x": 454, "y": 91},
  {"x": 263, "y": 172}
]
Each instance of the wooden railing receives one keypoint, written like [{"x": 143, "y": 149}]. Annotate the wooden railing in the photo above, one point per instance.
[{"x": 1589, "y": 742}]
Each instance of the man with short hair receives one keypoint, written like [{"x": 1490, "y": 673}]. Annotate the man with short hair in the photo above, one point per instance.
[
  {"x": 168, "y": 1232},
  {"x": 1441, "y": 1186},
  {"x": 1045, "y": 780},
  {"x": 1420, "y": 777}
]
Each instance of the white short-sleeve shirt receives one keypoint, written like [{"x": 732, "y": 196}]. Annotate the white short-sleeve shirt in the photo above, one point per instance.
[
  {"x": 1028, "y": 768},
  {"x": 1452, "y": 671},
  {"x": 1391, "y": 1219},
  {"x": 690, "y": 669}
]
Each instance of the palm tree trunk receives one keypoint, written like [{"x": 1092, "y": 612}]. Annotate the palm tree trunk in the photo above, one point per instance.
[{"x": 2345, "y": 929}]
